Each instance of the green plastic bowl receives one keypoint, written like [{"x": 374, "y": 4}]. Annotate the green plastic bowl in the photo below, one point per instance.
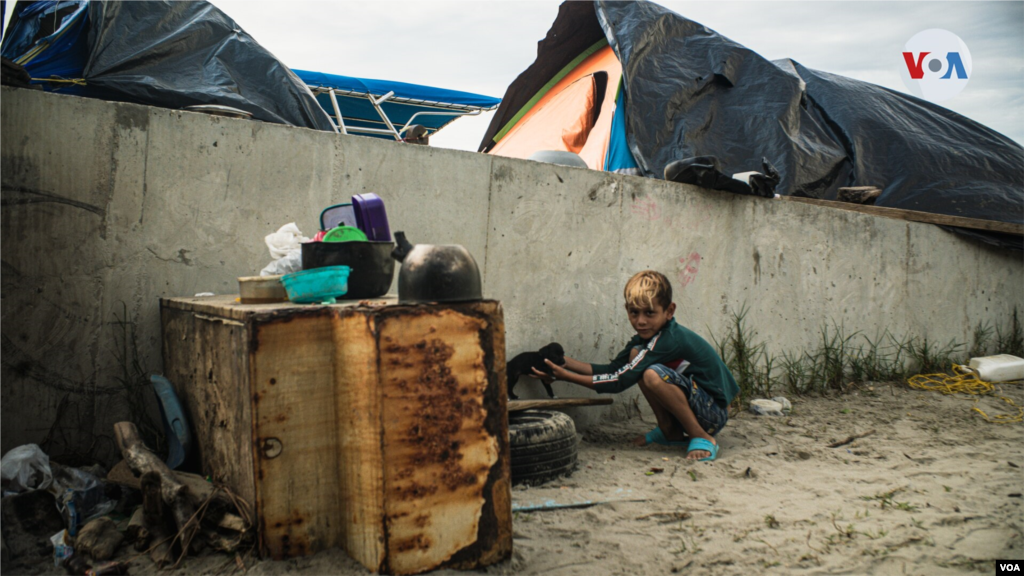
[
  {"x": 345, "y": 234},
  {"x": 318, "y": 285}
]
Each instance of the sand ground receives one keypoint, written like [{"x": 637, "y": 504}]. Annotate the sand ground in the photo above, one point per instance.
[{"x": 934, "y": 490}]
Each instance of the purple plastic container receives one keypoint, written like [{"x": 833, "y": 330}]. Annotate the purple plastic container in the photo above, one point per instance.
[{"x": 371, "y": 217}]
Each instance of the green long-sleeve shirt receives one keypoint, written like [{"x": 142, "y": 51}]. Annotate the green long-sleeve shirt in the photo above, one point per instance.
[{"x": 669, "y": 346}]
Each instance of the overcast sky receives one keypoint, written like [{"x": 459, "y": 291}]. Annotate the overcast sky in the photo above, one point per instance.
[{"x": 482, "y": 46}]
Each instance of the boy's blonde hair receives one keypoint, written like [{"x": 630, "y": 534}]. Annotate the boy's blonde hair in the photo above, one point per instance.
[{"x": 647, "y": 288}]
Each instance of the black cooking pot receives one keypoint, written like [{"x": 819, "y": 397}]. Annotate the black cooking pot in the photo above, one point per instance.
[
  {"x": 436, "y": 273},
  {"x": 371, "y": 264}
]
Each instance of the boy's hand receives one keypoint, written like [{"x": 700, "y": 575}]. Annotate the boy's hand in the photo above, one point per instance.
[
  {"x": 560, "y": 373},
  {"x": 546, "y": 378}
]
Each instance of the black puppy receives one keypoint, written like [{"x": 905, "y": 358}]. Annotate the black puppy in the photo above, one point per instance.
[{"x": 523, "y": 363}]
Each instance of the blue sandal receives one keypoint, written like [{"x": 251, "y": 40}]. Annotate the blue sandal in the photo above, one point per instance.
[
  {"x": 656, "y": 436},
  {"x": 702, "y": 444}
]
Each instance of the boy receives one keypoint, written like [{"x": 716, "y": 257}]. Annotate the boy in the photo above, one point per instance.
[{"x": 680, "y": 374}]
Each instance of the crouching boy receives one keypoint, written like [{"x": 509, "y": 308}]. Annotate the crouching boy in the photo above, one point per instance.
[{"x": 684, "y": 380}]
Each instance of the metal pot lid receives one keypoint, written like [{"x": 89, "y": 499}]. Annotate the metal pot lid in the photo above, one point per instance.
[{"x": 436, "y": 273}]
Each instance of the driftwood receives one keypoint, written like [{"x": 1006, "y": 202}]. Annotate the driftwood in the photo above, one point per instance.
[
  {"x": 198, "y": 487},
  {"x": 153, "y": 520},
  {"x": 137, "y": 533},
  {"x": 851, "y": 439},
  {"x": 160, "y": 552},
  {"x": 232, "y": 522},
  {"x": 223, "y": 542},
  {"x": 152, "y": 501},
  {"x": 175, "y": 495},
  {"x": 176, "y": 506},
  {"x": 99, "y": 539}
]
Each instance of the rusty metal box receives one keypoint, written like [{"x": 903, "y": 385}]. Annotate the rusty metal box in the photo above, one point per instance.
[{"x": 377, "y": 427}]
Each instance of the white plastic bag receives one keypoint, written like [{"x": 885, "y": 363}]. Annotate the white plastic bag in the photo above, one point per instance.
[
  {"x": 290, "y": 263},
  {"x": 287, "y": 239},
  {"x": 24, "y": 468},
  {"x": 286, "y": 250}
]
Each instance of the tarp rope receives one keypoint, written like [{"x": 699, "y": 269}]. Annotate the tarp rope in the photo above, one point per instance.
[{"x": 965, "y": 381}]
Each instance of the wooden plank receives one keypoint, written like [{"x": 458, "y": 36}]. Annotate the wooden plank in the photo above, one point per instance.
[
  {"x": 554, "y": 403},
  {"x": 917, "y": 216},
  {"x": 447, "y": 488},
  {"x": 207, "y": 363},
  {"x": 360, "y": 456},
  {"x": 227, "y": 306},
  {"x": 295, "y": 435}
]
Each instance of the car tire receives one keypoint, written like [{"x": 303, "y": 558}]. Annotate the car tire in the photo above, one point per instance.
[{"x": 543, "y": 445}]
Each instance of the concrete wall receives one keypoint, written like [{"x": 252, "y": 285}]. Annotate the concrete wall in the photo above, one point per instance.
[{"x": 107, "y": 207}]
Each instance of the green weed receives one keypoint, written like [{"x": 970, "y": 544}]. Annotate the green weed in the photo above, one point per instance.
[
  {"x": 841, "y": 358},
  {"x": 1011, "y": 341},
  {"x": 887, "y": 500}
]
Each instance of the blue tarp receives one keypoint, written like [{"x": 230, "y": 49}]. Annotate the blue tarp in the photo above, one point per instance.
[
  {"x": 408, "y": 100},
  {"x": 62, "y": 53},
  {"x": 184, "y": 53},
  {"x": 619, "y": 159}
]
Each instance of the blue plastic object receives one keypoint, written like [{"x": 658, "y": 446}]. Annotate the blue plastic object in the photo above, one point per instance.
[
  {"x": 179, "y": 439},
  {"x": 317, "y": 285},
  {"x": 63, "y": 53}
]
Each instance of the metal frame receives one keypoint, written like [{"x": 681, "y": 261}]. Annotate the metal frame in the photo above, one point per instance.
[{"x": 339, "y": 122}]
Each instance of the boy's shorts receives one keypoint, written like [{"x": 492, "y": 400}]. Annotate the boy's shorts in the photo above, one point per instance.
[{"x": 710, "y": 415}]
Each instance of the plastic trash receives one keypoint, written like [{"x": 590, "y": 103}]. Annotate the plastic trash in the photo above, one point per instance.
[
  {"x": 81, "y": 496},
  {"x": 62, "y": 548},
  {"x": 999, "y": 368},
  {"x": 176, "y": 430},
  {"x": 766, "y": 407},
  {"x": 24, "y": 468},
  {"x": 286, "y": 249},
  {"x": 285, "y": 240},
  {"x": 786, "y": 406}
]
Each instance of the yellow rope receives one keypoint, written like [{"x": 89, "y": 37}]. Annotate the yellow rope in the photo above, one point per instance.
[{"x": 964, "y": 381}]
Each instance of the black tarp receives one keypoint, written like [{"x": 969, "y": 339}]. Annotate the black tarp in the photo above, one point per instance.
[
  {"x": 178, "y": 54},
  {"x": 691, "y": 92}
]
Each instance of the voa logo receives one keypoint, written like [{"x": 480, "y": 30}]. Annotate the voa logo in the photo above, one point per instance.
[{"x": 936, "y": 65}]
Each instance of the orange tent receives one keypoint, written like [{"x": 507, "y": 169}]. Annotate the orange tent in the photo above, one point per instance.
[{"x": 572, "y": 113}]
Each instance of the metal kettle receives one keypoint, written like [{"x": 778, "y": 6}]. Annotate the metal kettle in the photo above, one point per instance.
[{"x": 435, "y": 273}]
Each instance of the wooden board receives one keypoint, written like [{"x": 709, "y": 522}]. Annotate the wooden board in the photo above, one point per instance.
[
  {"x": 555, "y": 403},
  {"x": 295, "y": 435},
  {"x": 206, "y": 359},
  {"x": 917, "y": 216},
  {"x": 228, "y": 306},
  {"x": 439, "y": 448},
  {"x": 361, "y": 459}
]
